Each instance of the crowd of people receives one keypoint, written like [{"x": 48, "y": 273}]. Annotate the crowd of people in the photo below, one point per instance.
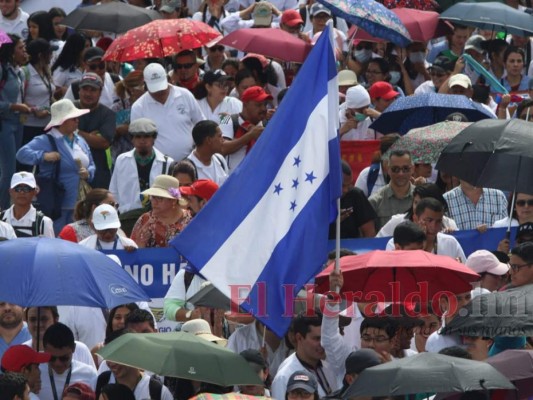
[{"x": 133, "y": 151}]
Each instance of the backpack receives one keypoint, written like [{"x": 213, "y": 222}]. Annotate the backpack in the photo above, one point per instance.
[
  {"x": 155, "y": 387},
  {"x": 37, "y": 227},
  {"x": 372, "y": 177},
  {"x": 76, "y": 86}
]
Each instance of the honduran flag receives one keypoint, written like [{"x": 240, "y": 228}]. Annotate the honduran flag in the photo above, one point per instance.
[{"x": 265, "y": 232}]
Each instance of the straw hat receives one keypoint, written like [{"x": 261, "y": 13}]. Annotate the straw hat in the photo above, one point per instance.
[
  {"x": 165, "y": 186},
  {"x": 201, "y": 328},
  {"x": 62, "y": 110}
]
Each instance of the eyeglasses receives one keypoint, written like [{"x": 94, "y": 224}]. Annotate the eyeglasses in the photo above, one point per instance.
[
  {"x": 377, "y": 339},
  {"x": 217, "y": 48},
  {"x": 183, "y": 66},
  {"x": 94, "y": 67},
  {"x": 517, "y": 267},
  {"x": 23, "y": 189},
  {"x": 404, "y": 169},
  {"x": 522, "y": 203},
  {"x": 63, "y": 359}
]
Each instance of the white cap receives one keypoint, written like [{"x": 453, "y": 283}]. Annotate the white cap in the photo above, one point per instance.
[
  {"x": 155, "y": 77},
  {"x": 482, "y": 261},
  {"x": 23, "y": 178},
  {"x": 460, "y": 80},
  {"x": 105, "y": 217},
  {"x": 357, "y": 97},
  {"x": 436, "y": 342}
]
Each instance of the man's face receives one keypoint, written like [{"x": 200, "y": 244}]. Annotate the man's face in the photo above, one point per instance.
[
  {"x": 89, "y": 96},
  {"x": 430, "y": 221},
  {"x": 431, "y": 324},
  {"x": 255, "y": 111},
  {"x": 186, "y": 67},
  {"x": 347, "y": 183},
  {"x": 61, "y": 358},
  {"x": 22, "y": 195},
  {"x": 410, "y": 246},
  {"x": 195, "y": 204},
  {"x": 403, "y": 337},
  {"x": 377, "y": 339},
  {"x": 143, "y": 144},
  {"x": 423, "y": 170},
  {"x": 141, "y": 327},
  {"x": 461, "y": 300},
  {"x": 438, "y": 76},
  {"x": 381, "y": 104},
  {"x": 459, "y": 37},
  {"x": 459, "y": 90},
  {"x": 44, "y": 318},
  {"x": 97, "y": 66},
  {"x": 319, "y": 21},
  {"x": 216, "y": 141},
  {"x": 400, "y": 169},
  {"x": 9, "y": 7},
  {"x": 32, "y": 373},
  {"x": 10, "y": 315},
  {"x": 119, "y": 371},
  {"x": 107, "y": 235},
  {"x": 521, "y": 271},
  {"x": 310, "y": 344}
]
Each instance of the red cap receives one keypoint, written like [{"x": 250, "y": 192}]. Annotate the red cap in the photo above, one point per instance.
[
  {"x": 291, "y": 18},
  {"x": 83, "y": 391},
  {"x": 255, "y": 93},
  {"x": 203, "y": 188},
  {"x": 382, "y": 90},
  {"x": 19, "y": 356}
]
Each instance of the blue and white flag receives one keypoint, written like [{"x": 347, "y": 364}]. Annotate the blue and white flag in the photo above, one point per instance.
[{"x": 265, "y": 231}]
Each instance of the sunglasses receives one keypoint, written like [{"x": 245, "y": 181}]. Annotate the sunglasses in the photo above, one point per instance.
[
  {"x": 63, "y": 359},
  {"x": 183, "y": 66},
  {"x": 94, "y": 67},
  {"x": 216, "y": 48},
  {"x": 23, "y": 189},
  {"x": 522, "y": 203},
  {"x": 397, "y": 170}
]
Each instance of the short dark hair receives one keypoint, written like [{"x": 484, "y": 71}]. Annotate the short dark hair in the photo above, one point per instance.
[
  {"x": 184, "y": 166},
  {"x": 389, "y": 325},
  {"x": 11, "y": 385},
  {"x": 140, "y": 316},
  {"x": 345, "y": 167},
  {"x": 302, "y": 323},
  {"x": 58, "y": 336},
  {"x": 456, "y": 351},
  {"x": 513, "y": 49},
  {"x": 408, "y": 232},
  {"x": 524, "y": 251},
  {"x": 428, "y": 202},
  {"x": 202, "y": 130},
  {"x": 399, "y": 153}
]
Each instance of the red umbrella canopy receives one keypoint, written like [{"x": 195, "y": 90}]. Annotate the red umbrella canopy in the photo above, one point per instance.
[
  {"x": 161, "y": 38},
  {"x": 414, "y": 271}
]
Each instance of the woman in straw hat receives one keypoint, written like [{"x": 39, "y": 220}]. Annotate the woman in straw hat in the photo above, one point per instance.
[
  {"x": 167, "y": 218},
  {"x": 61, "y": 145}
]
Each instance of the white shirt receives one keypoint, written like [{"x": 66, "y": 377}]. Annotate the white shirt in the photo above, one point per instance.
[
  {"x": 504, "y": 223},
  {"x": 27, "y": 220},
  {"x": 228, "y": 106},
  {"x": 447, "y": 245},
  {"x": 39, "y": 91},
  {"x": 81, "y": 353},
  {"x": 122, "y": 242},
  {"x": 426, "y": 87},
  {"x": 86, "y": 323},
  {"x": 80, "y": 373},
  {"x": 361, "y": 132},
  {"x": 65, "y": 77},
  {"x": 216, "y": 171},
  {"x": 125, "y": 179},
  {"x": 234, "y": 159},
  {"x": 18, "y": 26},
  {"x": 7, "y": 231},
  {"x": 142, "y": 390},
  {"x": 174, "y": 120},
  {"x": 177, "y": 291},
  {"x": 397, "y": 219},
  {"x": 362, "y": 180}
]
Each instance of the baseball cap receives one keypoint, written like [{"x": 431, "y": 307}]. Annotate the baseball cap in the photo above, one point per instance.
[
  {"x": 169, "y": 6},
  {"x": 347, "y": 77},
  {"x": 382, "y": 90},
  {"x": 474, "y": 43},
  {"x": 142, "y": 126},
  {"x": 91, "y": 79},
  {"x": 525, "y": 230},
  {"x": 19, "y": 356},
  {"x": 360, "y": 360},
  {"x": 105, "y": 217},
  {"x": 23, "y": 178},
  {"x": 302, "y": 380},
  {"x": 93, "y": 53},
  {"x": 255, "y": 93},
  {"x": 82, "y": 390},
  {"x": 291, "y": 18},
  {"x": 203, "y": 188},
  {"x": 481, "y": 261},
  {"x": 155, "y": 77},
  {"x": 219, "y": 75},
  {"x": 443, "y": 63},
  {"x": 318, "y": 8},
  {"x": 460, "y": 80},
  {"x": 262, "y": 14},
  {"x": 255, "y": 358},
  {"x": 357, "y": 97},
  {"x": 40, "y": 46}
]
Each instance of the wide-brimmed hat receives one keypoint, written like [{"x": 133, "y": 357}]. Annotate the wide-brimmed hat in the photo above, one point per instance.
[
  {"x": 164, "y": 186},
  {"x": 201, "y": 328},
  {"x": 62, "y": 110}
]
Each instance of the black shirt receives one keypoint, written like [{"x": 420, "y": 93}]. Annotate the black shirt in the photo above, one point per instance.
[{"x": 362, "y": 213}]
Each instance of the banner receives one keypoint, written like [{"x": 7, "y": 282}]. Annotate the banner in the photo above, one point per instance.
[{"x": 359, "y": 154}]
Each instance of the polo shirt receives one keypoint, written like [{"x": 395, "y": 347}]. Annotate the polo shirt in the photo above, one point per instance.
[
  {"x": 80, "y": 373},
  {"x": 447, "y": 245},
  {"x": 27, "y": 220},
  {"x": 18, "y": 26},
  {"x": 174, "y": 120},
  {"x": 21, "y": 337},
  {"x": 386, "y": 204},
  {"x": 216, "y": 171},
  {"x": 228, "y": 106}
]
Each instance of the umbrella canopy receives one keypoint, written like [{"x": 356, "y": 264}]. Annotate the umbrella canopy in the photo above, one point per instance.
[
  {"x": 492, "y": 153},
  {"x": 411, "y": 112},
  {"x": 421, "y": 25},
  {"x": 371, "y": 16},
  {"x": 269, "y": 42},
  {"x": 4, "y": 38},
  {"x": 181, "y": 355},
  {"x": 491, "y": 16},
  {"x": 374, "y": 271},
  {"x": 210, "y": 296},
  {"x": 427, "y": 373},
  {"x": 426, "y": 144},
  {"x": 161, "y": 38},
  {"x": 517, "y": 366},
  {"x": 54, "y": 272},
  {"x": 506, "y": 313},
  {"x": 114, "y": 17}
]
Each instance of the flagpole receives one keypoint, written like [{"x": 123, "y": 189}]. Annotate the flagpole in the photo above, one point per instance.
[{"x": 338, "y": 239}]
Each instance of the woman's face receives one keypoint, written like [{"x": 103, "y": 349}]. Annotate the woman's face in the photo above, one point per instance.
[
  {"x": 34, "y": 29},
  {"x": 524, "y": 207},
  {"x": 217, "y": 91},
  {"x": 374, "y": 74},
  {"x": 69, "y": 126},
  {"x": 185, "y": 179},
  {"x": 59, "y": 29},
  {"x": 514, "y": 64},
  {"x": 119, "y": 319},
  {"x": 20, "y": 57},
  {"x": 245, "y": 84}
]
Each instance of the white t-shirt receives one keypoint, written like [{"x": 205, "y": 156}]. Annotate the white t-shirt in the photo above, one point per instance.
[
  {"x": 7, "y": 231},
  {"x": 86, "y": 323},
  {"x": 81, "y": 353},
  {"x": 447, "y": 245},
  {"x": 17, "y": 26},
  {"x": 228, "y": 106},
  {"x": 216, "y": 171},
  {"x": 80, "y": 373},
  {"x": 142, "y": 390},
  {"x": 122, "y": 242},
  {"x": 362, "y": 181}
]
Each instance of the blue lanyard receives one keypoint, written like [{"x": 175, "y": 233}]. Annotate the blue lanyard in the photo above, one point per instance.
[{"x": 99, "y": 246}]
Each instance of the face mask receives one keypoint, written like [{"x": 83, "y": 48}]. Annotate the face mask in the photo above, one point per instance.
[
  {"x": 363, "y": 56},
  {"x": 417, "y": 57},
  {"x": 359, "y": 117},
  {"x": 394, "y": 77}
]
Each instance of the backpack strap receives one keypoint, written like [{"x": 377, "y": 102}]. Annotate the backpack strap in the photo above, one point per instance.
[
  {"x": 164, "y": 171},
  {"x": 303, "y": 13},
  {"x": 114, "y": 77},
  {"x": 372, "y": 177},
  {"x": 220, "y": 160},
  {"x": 235, "y": 122},
  {"x": 155, "y": 388},
  {"x": 103, "y": 379},
  {"x": 38, "y": 225},
  {"x": 75, "y": 89}
]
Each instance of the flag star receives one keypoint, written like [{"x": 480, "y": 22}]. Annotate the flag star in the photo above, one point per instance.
[
  {"x": 295, "y": 183},
  {"x": 293, "y": 205},
  {"x": 310, "y": 177},
  {"x": 278, "y": 188},
  {"x": 297, "y": 161}
]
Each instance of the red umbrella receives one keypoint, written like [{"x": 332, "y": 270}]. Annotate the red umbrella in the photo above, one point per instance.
[
  {"x": 270, "y": 42},
  {"x": 421, "y": 25},
  {"x": 375, "y": 271},
  {"x": 161, "y": 38}
]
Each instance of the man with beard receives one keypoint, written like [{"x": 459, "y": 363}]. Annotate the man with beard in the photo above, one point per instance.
[
  {"x": 13, "y": 19},
  {"x": 12, "y": 330},
  {"x": 136, "y": 170}
]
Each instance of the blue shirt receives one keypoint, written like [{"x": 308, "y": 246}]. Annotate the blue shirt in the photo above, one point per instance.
[{"x": 22, "y": 336}]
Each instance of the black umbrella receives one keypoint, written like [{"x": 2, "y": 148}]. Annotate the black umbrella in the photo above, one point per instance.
[
  {"x": 114, "y": 17},
  {"x": 492, "y": 153},
  {"x": 507, "y": 313}
]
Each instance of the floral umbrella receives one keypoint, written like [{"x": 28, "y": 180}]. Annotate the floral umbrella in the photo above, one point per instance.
[{"x": 161, "y": 38}]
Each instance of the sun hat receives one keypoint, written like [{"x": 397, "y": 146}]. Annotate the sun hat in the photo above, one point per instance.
[
  {"x": 165, "y": 186},
  {"x": 347, "y": 77},
  {"x": 200, "y": 327},
  {"x": 63, "y": 110}
]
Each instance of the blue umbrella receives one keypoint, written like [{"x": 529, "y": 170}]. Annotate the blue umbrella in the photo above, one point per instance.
[
  {"x": 53, "y": 272},
  {"x": 412, "y": 112},
  {"x": 372, "y": 17}
]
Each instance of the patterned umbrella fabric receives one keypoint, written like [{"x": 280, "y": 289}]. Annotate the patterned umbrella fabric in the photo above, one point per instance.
[
  {"x": 371, "y": 16},
  {"x": 161, "y": 38},
  {"x": 426, "y": 5},
  {"x": 425, "y": 144},
  {"x": 4, "y": 38}
]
